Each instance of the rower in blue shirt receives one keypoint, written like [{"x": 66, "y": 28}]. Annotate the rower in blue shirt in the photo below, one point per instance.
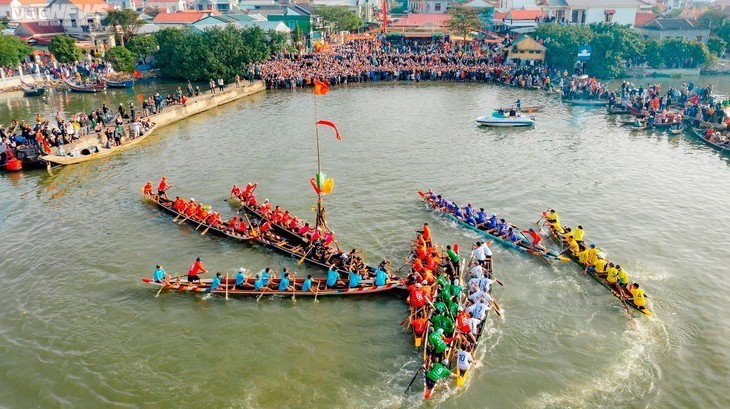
[
  {"x": 502, "y": 227},
  {"x": 266, "y": 275},
  {"x": 284, "y": 282},
  {"x": 481, "y": 216},
  {"x": 458, "y": 213},
  {"x": 307, "y": 284},
  {"x": 354, "y": 279},
  {"x": 159, "y": 274},
  {"x": 441, "y": 202},
  {"x": 332, "y": 276},
  {"x": 258, "y": 282},
  {"x": 492, "y": 223},
  {"x": 240, "y": 278},
  {"x": 511, "y": 236},
  {"x": 470, "y": 220},
  {"x": 216, "y": 282},
  {"x": 380, "y": 277},
  {"x": 469, "y": 209}
]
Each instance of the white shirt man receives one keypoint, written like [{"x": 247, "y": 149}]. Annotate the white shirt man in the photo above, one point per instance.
[{"x": 463, "y": 360}]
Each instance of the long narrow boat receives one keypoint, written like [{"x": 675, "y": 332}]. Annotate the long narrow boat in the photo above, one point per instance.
[
  {"x": 319, "y": 288},
  {"x": 426, "y": 309},
  {"x": 586, "y": 102},
  {"x": 167, "y": 207},
  {"x": 699, "y": 134},
  {"x": 120, "y": 84},
  {"x": 258, "y": 216},
  {"x": 461, "y": 376},
  {"x": 85, "y": 88},
  {"x": 557, "y": 237},
  {"x": 522, "y": 245},
  {"x": 30, "y": 90},
  {"x": 92, "y": 150}
]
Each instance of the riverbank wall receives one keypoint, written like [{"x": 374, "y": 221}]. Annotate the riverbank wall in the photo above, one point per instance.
[{"x": 170, "y": 114}]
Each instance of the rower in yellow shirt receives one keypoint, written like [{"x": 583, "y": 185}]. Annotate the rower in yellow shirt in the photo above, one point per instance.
[
  {"x": 573, "y": 247},
  {"x": 568, "y": 235},
  {"x": 599, "y": 266},
  {"x": 623, "y": 277},
  {"x": 554, "y": 220},
  {"x": 578, "y": 234},
  {"x": 591, "y": 255},
  {"x": 611, "y": 274},
  {"x": 582, "y": 256},
  {"x": 637, "y": 296}
]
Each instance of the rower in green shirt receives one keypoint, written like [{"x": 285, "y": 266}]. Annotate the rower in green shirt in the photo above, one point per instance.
[{"x": 438, "y": 372}]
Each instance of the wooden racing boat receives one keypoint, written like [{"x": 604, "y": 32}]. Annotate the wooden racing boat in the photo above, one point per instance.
[
  {"x": 90, "y": 149},
  {"x": 319, "y": 288},
  {"x": 586, "y": 102},
  {"x": 167, "y": 207},
  {"x": 523, "y": 245},
  {"x": 558, "y": 238},
  {"x": 30, "y": 90},
  {"x": 700, "y": 134},
  {"x": 461, "y": 376},
  {"x": 77, "y": 87}
]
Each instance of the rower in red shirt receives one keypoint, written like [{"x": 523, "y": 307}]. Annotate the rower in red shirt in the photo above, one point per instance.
[
  {"x": 235, "y": 191},
  {"x": 162, "y": 188},
  {"x": 201, "y": 214},
  {"x": 248, "y": 190},
  {"x": 195, "y": 269},
  {"x": 192, "y": 208},
  {"x": 418, "y": 297},
  {"x": 304, "y": 229},
  {"x": 462, "y": 323},
  {"x": 179, "y": 204},
  {"x": 328, "y": 238},
  {"x": 265, "y": 226},
  {"x": 214, "y": 220},
  {"x": 147, "y": 189},
  {"x": 535, "y": 236},
  {"x": 232, "y": 224}
]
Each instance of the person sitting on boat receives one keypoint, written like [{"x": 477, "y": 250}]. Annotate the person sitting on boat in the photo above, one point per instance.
[
  {"x": 578, "y": 234},
  {"x": 462, "y": 323},
  {"x": 426, "y": 234},
  {"x": 147, "y": 189},
  {"x": 381, "y": 277},
  {"x": 195, "y": 269},
  {"x": 637, "y": 296},
  {"x": 201, "y": 213},
  {"x": 179, "y": 204},
  {"x": 354, "y": 278},
  {"x": 511, "y": 236},
  {"x": 452, "y": 264},
  {"x": 437, "y": 343},
  {"x": 284, "y": 282},
  {"x": 159, "y": 275},
  {"x": 258, "y": 283},
  {"x": 502, "y": 228},
  {"x": 512, "y": 113},
  {"x": 470, "y": 220},
  {"x": 214, "y": 220},
  {"x": 481, "y": 217},
  {"x": 458, "y": 213},
  {"x": 307, "y": 284},
  {"x": 612, "y": 274},
  {"x": 419, "y": 322},
  {"x": 235, "y": 191},
  {"x": 233, "y": 225},
  {"x": 501, "y": 112},
  {"x": 241, "y": 279},
  {"x": 333, "y": 277},
  {"x": 266, "y": 275},
  {"x": 215, "y": 284},
  {"x": 623, "y": 277}
]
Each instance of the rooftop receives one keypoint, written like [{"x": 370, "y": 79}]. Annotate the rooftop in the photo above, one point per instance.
[
  {"x": 179, "y": 17},
  {"x": 41, "y": 28},
  {"x": 415, "y": 20},
  {"x": 642, "y": 18},
  {"x": 671, "y": 24}
]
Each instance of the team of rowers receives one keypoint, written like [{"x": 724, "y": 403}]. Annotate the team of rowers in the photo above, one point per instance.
[
  {"x": 594, "y": 260},
  {"x": 265, "y": 280},
  {"x": 482, "y": 220},
  {"x": 318, "y": 243},
  {"x": 449, "y": 320}
]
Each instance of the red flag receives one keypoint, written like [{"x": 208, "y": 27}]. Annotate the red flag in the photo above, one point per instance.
[
  {"x": 137, "y": 74},
  {"x": 320, "y": 88},
  {"x": 695, "y": 98},
  {"x": 331, "y": 125}
]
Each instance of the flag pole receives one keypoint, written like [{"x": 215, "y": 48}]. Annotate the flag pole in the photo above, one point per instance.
[{"x": 320, "y": 221}]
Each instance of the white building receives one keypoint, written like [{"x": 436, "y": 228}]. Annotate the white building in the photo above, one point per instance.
[
  {"x": 124, "y": 4},
  {"x": 23, "y": 10},
  {"x": 78, "y": 16},
  {"x": 171, "y": 6}
]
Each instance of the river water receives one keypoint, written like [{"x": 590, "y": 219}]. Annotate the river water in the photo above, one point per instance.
[{"x": 79, "y": 329}]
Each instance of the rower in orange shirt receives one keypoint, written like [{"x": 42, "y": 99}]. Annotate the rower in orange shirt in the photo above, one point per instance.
[
  {"x": 427, "y": 234},
  {"x": 147, "y": 189},
  {"x": 179, "y": 204},
  {"x": 214, "y": 220},
  {"x": 162, "y": 188},
  {"x": 201, "y": 214},
  {"x": 192, "y": 208},
  {"x": 235, "y": 191}
]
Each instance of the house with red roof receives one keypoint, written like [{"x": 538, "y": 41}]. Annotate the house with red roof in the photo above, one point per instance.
[
  {"x": 429, "y": 6},
  {"x": 180, "y": 19},
  {"x": 523, "y": 19},
  {"x": 643, "y": 18},
  {"x": 420, "y": 25}
]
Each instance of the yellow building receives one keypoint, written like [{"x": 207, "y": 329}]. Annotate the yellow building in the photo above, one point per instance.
[{"x": 525, "y": 48}]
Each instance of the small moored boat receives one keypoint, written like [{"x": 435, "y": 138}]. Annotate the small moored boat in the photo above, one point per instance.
[
  {"x": 80, "y": 87},
  {"x": 498, "y": 120},
  {"x": 120, "y": 84},
  {"x": 30, "y": 90}
]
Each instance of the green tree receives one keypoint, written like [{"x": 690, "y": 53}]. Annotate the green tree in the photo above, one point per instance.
[
  {"x": 215, "y": 53},
  {"x": 4, "y": 23},
  {"x": 562, "y": 43},
  {"x": 463, "y": 20},
  {"x": 654, "y": 53},
  {"x": 711, "y": 18},
  {"x": 723, "y": 32},
  {"x": 337, "y": 18},
  {"x": 64, "y": 48},
  {"x": 121, "y": 58},
  {"x": 717, "y": 46},
  {"x": 126, "y": 21},
  {"x": 143, "y": 45},
  {"x": 12, "y": 50}
]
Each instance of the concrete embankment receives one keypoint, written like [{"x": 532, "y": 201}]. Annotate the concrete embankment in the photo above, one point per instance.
[
  {"x": 205, "y": 102},
  {"x": 93, "y": 143}
]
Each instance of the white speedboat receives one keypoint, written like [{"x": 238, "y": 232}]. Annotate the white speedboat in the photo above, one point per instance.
[{"x": 497, "y": 119}]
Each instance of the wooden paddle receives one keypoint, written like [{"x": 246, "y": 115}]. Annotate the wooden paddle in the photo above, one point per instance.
[
  {"x": 200, "y": 224},
  {"x": 180, "y": 214},
  {"x": 264, "y": 289},
  {"x": 226, "y": 285},
  {"x": 316, "y": 293},
  {"x": 301, "y": 260},
  {"x": 294, "y": 287},
  {"x": 164, "y": 284}
]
